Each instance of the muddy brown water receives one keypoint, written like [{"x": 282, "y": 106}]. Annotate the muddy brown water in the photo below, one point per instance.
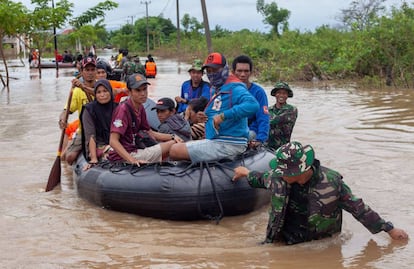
[{"x": 366, "y": 135}]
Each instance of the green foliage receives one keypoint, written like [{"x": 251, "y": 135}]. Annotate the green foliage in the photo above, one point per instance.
[
  {"x": 191, "y": 26},
  {"x": 14, "y": 18},
  {"x": 93, "y": 13},
  {"x": 273, "y": 15},
  {"x": 87, "y": 35},
  {"x": 134, "y": 37},
  {"x": 379, "y": 54},
  {"x": 43, "y": 19},
  {"x": 379, "y": 49},
  {"x": 13, "y": 22}
]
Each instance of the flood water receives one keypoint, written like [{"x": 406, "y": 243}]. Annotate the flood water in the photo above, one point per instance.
[{"x": 366, "y": 135}]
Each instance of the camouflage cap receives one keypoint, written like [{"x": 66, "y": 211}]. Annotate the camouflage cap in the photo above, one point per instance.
[
  {"x": 281, "y": 86},
  {"x": 197, "y": 65},
  {"x": 292, "y": 159}
]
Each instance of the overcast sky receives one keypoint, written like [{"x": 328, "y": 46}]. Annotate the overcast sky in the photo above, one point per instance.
[{"x": 229, "y": 14}]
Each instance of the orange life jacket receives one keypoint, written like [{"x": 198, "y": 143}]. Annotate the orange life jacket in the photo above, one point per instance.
[
  {"x": 118, "y": 85},
  {"x": 71, "y": 128},
  {"x": 151, "y": 69}
]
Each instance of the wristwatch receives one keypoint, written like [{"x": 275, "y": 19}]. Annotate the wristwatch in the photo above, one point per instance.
[{"x": 388, "y": 226}]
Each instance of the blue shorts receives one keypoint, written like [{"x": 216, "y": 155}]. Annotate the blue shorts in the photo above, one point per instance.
[{"x": 211, "y": 150}]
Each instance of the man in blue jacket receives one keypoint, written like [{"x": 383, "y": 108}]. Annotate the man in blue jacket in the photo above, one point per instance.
[
  {"x": 227, "y": 112},
  {"x": 259, "y": 122},
  {"x": 195, "y": 87}
]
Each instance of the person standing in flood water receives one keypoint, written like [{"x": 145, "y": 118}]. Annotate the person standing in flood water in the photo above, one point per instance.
[
  {"x": 307, "y": 198},
  {"x": 282, "y": 116}
]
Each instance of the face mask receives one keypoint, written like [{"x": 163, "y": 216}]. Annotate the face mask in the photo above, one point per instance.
[{"x": 217, "y": 79}]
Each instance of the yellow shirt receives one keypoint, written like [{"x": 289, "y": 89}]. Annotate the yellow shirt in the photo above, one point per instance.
[
  {"x": 119, "y": 58},
  {"x": 79, "y": 99}
]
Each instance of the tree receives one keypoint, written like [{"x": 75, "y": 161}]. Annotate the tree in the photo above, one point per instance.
[
  {"x": 274, "y": 16},
  {"x": 361, "y": 14},
  {"x": 43, "y": 19},
  {"x": 87, "y": 17},
  {"x": 93, "y": 13},
  {"x": 191, "y": 26},
  {"x": 219, "y": 31},
  {"x": 134, "y": 38},
  {"x": 14, "y": 18}
]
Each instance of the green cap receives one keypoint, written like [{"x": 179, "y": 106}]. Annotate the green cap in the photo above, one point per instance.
[
  {"x": 281, "y": 86},
  {"x": 197, "y": 65}
]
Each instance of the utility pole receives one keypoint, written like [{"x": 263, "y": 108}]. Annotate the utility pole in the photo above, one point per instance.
[
  {"x": 55, "y": 41},
  {"x": 206, "y": 26},
  {"x": 178, "y": 29},
  {"x": 146, "y": 8}
]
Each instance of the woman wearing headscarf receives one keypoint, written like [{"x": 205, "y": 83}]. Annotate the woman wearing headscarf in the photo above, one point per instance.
[{"x": 96, "y": 119}]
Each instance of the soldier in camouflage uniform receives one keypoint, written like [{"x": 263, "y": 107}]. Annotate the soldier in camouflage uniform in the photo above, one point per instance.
[
  {"x": 128, "y": 68},
  {"x": 282, "y": 116},
  {"x": 139, "y": 68},
  {"x": 307, "y": 198}
]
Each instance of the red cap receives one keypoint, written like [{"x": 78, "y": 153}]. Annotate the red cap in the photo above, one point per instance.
[
  {"x": 215, "y": 60},
  {"x": 88, "y": 60}
]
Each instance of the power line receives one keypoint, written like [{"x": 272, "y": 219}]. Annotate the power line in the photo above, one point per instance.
[{"x": 165, "y": 7}]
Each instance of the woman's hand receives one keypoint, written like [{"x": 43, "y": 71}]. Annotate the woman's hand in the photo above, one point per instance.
[{"x": 90, "y": 165}]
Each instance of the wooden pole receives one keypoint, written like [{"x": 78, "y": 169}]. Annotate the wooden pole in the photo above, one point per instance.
[
  {"x": 178, "y": 31},
  {"x": 206, "y": 27},
  {"x": 55, "y": 41},
  {"x": 146, "y": 11}
]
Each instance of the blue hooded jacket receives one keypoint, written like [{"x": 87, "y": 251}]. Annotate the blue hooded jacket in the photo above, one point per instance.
[{"x": 237, "y": 104}]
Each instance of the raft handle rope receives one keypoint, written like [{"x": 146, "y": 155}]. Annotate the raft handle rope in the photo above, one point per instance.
[
  {"x": 121, "y": 166},
  {"x": 213, "y": 185}
]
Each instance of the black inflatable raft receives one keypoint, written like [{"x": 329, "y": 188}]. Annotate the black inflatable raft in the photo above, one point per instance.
[{"x": 174, "y": 190}]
